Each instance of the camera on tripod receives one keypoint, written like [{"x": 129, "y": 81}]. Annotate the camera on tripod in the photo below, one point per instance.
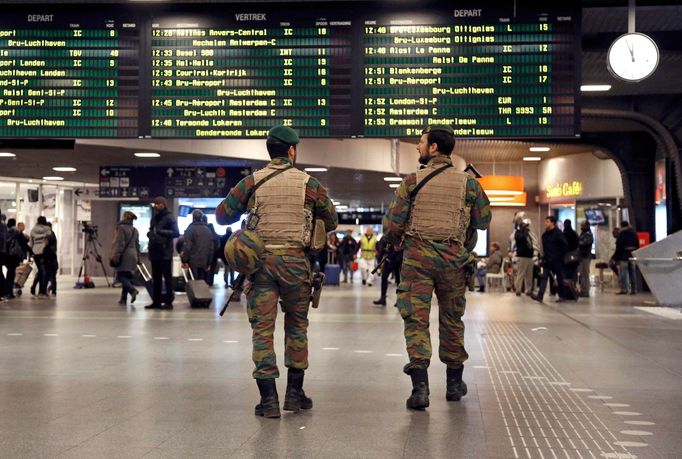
[{"x": 89, "y": 228}]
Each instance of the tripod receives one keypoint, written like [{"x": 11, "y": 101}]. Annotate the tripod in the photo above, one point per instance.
[{"x": 90, "y": 248}]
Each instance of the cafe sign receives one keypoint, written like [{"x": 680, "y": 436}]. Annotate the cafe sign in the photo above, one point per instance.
[{"x": 566, "y": 189}]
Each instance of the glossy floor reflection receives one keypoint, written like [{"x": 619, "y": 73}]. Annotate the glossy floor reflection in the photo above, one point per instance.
[{"x": 83, "y": 377}]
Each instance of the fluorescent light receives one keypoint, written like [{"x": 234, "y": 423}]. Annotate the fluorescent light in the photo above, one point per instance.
[
  {"x": 146, "y": 154},
  {"x": 53, "y": 178},
  {"x": 532, "y": 158},
  {"x": 595, "y": 87},
  {"x": 394, "y": 185},
  {"x": 393, "y": 179},
  {"x": 6, "y": 154},
  {"x": 64, "y": 169},
  {"x": 336, "y": 203},
  {"x": 502, "y": 192},
  {"x": 315, "y": 169},
  {"x": 342, "y": 207},
  {"x": 538, "y": 149}
]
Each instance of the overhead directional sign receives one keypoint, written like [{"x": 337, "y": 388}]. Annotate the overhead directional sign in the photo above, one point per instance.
[{"x": 171, "y": 182}]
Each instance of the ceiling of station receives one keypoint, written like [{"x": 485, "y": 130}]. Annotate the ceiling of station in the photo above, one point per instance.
[{"x": 602, "y": 22}]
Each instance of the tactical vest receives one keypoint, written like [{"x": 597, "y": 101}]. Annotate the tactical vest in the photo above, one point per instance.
[
  {"x": 283, "y": 222},
  {"x": 439, "y": 212}
]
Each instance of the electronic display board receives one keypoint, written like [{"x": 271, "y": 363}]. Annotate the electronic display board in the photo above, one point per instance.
[
  {"x": 64, "y": 74},
  {"x": 488, "y": 72},
  {"x": 239, "y": 75},
  {"x": 335, "y": 69}
]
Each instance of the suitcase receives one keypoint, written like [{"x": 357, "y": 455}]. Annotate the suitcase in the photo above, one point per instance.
[
  {"x": 147, "y": 278},
  {"x": 570, "y": 291},
  {"x": 332, "y": 274},
  {"x": 149, "y": 285},
  {"x": 198, "y": 292},
  {"x": 23, "y": 271}
]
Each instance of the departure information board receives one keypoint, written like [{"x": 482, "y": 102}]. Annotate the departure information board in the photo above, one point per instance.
[
  {"x": 351, "y": 69},
  {"x": 486, "y": 72},
  {"x": 251, "y": 71},
  {"x": 64, "y": 75}
]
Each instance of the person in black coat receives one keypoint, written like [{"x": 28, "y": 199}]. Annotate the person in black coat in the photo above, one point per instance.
[
  {"x": 572, "y": 241},
  {"x": 626, "y": 242},
  {"x": 51, "y": 262},
  {"x": 17, "y": 249},
  {"x": 391, "y": 265},
  {"x": 554, "y": 249},
  {"x": 228, "y": 274},
  {"x": 163, "y": 229},
  {"x": 585, "y": 246}
]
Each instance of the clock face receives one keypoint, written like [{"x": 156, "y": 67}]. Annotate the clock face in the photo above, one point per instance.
[{"x": 633, "y": 57}]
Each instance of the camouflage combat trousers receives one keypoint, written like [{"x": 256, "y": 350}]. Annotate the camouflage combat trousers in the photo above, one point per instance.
[
  {"x": 286, "y": 277},
  {"x": 419, "y": 279}
]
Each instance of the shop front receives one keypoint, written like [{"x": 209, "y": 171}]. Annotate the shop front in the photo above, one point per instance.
[{"x": 581, "y": 188}]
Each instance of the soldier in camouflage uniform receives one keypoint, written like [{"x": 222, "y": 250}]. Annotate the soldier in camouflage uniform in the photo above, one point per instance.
[
  {"x": 436, "y": 227},
  {"x": 282, "y": 211}
]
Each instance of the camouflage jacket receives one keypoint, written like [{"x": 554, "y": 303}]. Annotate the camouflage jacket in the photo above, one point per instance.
[
  {"x": 396, "y": 219},
  {"x": 240, "y": 199}
]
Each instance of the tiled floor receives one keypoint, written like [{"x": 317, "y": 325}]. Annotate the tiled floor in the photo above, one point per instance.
[{"x": 83, "y": 378}]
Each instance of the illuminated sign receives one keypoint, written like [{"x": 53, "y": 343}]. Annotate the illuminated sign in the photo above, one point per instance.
[
  {"x": 352, "y": 69},
  {"x": 69, "y": 75},
  {"x": 561, "y": 190}
]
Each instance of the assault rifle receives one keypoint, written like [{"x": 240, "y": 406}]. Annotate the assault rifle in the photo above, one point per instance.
[{"x": 237, "y": 288}]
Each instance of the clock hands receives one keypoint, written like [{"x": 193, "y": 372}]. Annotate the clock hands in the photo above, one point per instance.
[{"x": 631, "y": 49}]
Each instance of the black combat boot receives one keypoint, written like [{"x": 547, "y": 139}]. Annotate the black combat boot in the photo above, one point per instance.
[
  {"x": 456, "y": 388},
  {"x": 295, "y": 399},
  {"x": 269, "y": 402},
  {"x": 381, "y": 301},
  {"x": 420, "y": 389}
]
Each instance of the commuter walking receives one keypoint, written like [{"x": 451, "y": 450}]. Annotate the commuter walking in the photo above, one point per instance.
[
  {"x": 4, "y": 293},
  {"x": 368, "y": 255},
  {"x": 553, "y": 251},
  {"x": 37, "y": 242},
  {"x": 332, "y": 248},
  {"x": 571, "y": 260},
  {"x": 51, "y": 262},
  {"x": 347, "y": 250},
  {"x": 217, "y": 247},
  {"x": 525, "y": 245},
  {"x": 392, "y": 265},
  {"x": 16, "y": 253},
  {"x": 162, "y": 231},
  {"x": 432, "y": 213},
  {"x": 492, "y": 265},
  {"x": 284, "y": 202},
  {"x": 198, "y": 249},
  {"x": 125, "y": 250},
  {"x": 626, "y": 243},
  {"x": 585, "y": 246}
]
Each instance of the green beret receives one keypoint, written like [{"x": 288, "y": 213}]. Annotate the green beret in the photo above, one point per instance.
[
  {"x": 285, "y": 134},
  {"x": 439, "y": 127}
]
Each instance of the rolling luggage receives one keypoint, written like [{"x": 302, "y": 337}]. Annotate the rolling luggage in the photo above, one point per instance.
[
  {"x": 198, "y": 292},
  {"x": 570, "y": 292},
  {"x": 332, "y": 274},
  {"x": 23, "y": 271},
  {"x": 149, "y": 284},
  {"x": 147, "y": 278}
]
